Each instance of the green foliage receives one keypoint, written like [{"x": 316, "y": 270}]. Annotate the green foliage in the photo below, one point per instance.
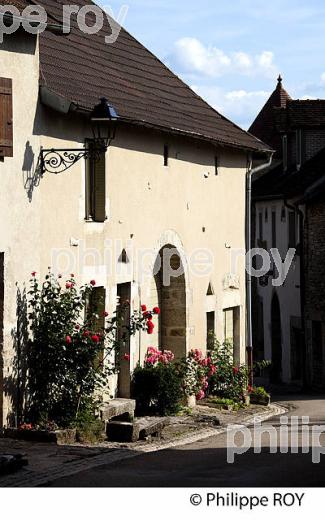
[
  {"x": 229, "y": 380},
  {"x": 157, "y": 389},
  {"x": 259, "y": 391},
  {"x": 69, "y": 352},
  {"x": 222, "y": 401}
]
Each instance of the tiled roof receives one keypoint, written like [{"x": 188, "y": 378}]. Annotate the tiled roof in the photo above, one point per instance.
[
  {"x": 310, "y": 112},
  {"x": 278, "y": 184},
  {"x": 265, "y": 125},
  {"x": 82, "y": 68}
]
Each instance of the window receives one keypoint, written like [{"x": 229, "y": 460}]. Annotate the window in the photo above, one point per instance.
[
  {"x": 292, "y": 230},
  {"x": 210, "y": 330},
  {"x": 285, "y": 152},
  {"x": 317, "y": 341},
  {"x": 166, "y": 155},
  {"x": 298, "y": 149},
  {"x": 6, "y": 129},
  {"x": 260, "y": 226},
  {"x": 266, "y": 215},
  {"x": 216, "y": 165},
  {"x": 96, "y": 186},
  {"x": 96, "y": 306},
  {"x": 232, "y": 330},
  {"x": 273, "y": 229}
]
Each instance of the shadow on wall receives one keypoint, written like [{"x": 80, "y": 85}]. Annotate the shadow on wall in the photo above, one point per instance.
[
  {"x": 31, "y": 173},
  {"x": 14, "y": 384}
]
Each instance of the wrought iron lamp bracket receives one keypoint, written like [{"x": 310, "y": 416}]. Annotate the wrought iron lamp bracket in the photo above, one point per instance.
[{"x": 58, "y": 160}]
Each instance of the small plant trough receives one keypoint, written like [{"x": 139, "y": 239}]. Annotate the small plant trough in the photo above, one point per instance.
[{"x": 60, "y": 437}]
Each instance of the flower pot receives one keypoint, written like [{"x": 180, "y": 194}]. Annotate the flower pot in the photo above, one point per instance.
[{"x": 191, "y": 401}]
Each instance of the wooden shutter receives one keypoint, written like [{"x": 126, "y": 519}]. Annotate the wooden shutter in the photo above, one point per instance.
[
  {"x": 6, "y": 130},
  {"x": 100, "y": 188}
]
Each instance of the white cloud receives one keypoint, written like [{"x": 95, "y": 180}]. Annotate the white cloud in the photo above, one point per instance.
[
  {"x": 240, "y": 106},
  {"x": 191, "y": 56}
]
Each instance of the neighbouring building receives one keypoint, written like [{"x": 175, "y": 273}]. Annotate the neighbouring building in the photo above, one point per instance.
[
  {"x": 289, "y": 327},
  {"x": 173, "y": 177}
]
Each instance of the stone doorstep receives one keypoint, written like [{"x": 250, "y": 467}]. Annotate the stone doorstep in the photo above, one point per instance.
[
  {"x": 140, "y": 429},
  {"x": 118, "y": 408},
  {"x": 59, "y": 437}
]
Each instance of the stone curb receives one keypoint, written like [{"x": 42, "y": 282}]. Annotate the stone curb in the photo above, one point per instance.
[{"x": 29, "y": 479}]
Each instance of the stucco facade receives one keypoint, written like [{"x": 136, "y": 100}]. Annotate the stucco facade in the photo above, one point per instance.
[{"x": 187, "y": 205}]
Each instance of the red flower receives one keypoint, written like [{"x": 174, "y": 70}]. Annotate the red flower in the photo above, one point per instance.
[
  {"x": 69, "y": 285},
  {"x": 150, "y": 326},
  {"x": 68, "y": 340},
  {"x": 236, "y": 370},
  {"x": 86, "y": 334},
  {"x": 156, "y": 310},
  {"x": 105, "y": 314},
  {"x": 143, "y": 308},
  {"x": 93, "y": 282},
  {"x": 127, "y": 357},
  {"x": 34, "y": 274},
  {"x": 95, "y": 338},
  {"x": 148, "y": 316},
  {"x": 72, "y": 275}
]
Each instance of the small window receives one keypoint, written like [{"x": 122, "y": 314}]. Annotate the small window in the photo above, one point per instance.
[
  {"x": 298, "y": 149},
  {"x": 6, "y": 131},
  {"x": 260, "y": 226},
  {"x": 232, "y": 330},
  {"x": 292, "y": 230},
  {"x": 210, "y": 330},
  {"x": 216, "y": 164},
  {"x": 285, "y": 152},
  {"x": 123, "y": 258},
  {"x": 96, "y": 186},
  {"x": 273, "y": 229},
  {"x": 166, "y": 155}
]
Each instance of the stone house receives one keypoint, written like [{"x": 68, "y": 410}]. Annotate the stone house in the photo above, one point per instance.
[
  {"x": 284, "y": 218},
  {"x": 174, "y": 178}
]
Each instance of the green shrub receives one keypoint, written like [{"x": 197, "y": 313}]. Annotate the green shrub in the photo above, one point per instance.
[
  {"x": 228, "y": 380},
  {"x": 259, "y": 391},
  {"x": 157, "y": 390}
]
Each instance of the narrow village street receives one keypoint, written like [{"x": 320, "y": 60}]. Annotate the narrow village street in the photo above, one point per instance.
[{"x": 204, "y": 463}]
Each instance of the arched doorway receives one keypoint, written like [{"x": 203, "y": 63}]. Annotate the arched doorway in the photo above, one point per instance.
[
  {"x": 171, "y": 289},
  {"x": 276, "y": 369}
]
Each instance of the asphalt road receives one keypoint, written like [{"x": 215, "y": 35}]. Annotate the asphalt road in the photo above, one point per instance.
[{"x": 204, "y": 463}]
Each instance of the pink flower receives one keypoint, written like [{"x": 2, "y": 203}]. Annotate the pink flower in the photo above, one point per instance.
[
  {"x": 126, "y": 357},
  {"x": 200, "y": 395},
  {"x": 93, "y": 282},
  {"x": 212, "y": 371},
  {"x": 143, "y": 308},
  {"x": 68, "y": 340},
  {"x": 95, "y": 338},
  {"x": 151, "y": 360},
  {"x": 69, "y": 285}
]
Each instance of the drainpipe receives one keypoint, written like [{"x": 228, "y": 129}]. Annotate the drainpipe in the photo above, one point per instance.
[{"x": 249, "y": 327}]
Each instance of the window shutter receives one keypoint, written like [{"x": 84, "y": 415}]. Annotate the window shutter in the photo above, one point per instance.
[
  {"x": 6, "y": 130},
  {"x": 100, "y": 188}
]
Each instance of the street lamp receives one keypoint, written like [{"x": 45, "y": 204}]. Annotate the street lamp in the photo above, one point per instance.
[{"x": 103, "y": 120}]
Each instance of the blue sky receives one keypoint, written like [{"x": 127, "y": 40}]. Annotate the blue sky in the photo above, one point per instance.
[{"x": 231, "y": 51}]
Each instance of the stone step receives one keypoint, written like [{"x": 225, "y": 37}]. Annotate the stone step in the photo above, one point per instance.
[
  {"x": 118, "y": 409},
  {"x": 140, "y": 429}
]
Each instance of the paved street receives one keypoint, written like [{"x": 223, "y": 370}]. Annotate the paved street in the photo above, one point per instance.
[{"x": 204, "y": 463}]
